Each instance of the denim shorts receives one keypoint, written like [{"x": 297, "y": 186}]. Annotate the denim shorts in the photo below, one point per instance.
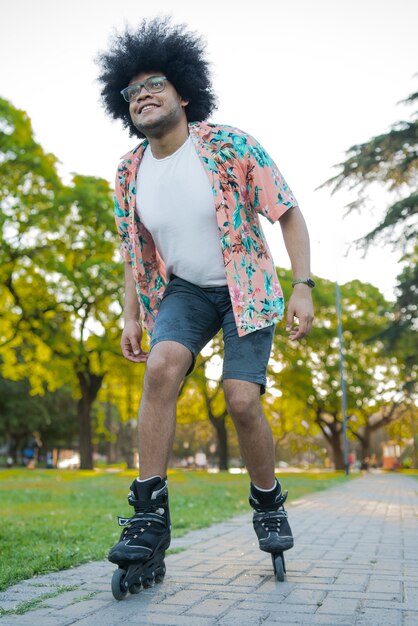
[{"x": 193, "y": 315}]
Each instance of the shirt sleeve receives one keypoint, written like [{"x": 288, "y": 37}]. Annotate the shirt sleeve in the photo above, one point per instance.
[
  {"x": 121, "y": 213},
  {"x": 269, "y": 194}
]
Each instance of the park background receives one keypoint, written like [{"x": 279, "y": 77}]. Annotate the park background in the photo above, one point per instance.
[{"x": 308, "y": 80}]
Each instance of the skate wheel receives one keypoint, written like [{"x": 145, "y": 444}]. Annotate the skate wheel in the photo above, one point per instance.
[
  {"x": 119, "y": 587},
  {"x": 278, "y": 566},
  {"x": 147, "y": 582},
  {"x": 159, "y": 576},
  {"x": 135, "y": 588}
]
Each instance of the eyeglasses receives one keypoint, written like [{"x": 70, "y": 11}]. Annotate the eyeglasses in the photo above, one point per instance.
[{"x": 154, "y": 84}]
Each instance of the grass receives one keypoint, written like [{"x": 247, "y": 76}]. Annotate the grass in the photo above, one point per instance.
[
  {"x": 409, "y": 472},
  {"x": 52, "y": 519},
  {"x": 24, "y": 607}
]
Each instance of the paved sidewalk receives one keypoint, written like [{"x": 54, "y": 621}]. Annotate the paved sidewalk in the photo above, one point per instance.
[{"x": 355, "y": 563}]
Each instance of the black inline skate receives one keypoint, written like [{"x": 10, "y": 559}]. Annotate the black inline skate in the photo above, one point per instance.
[
  {"x": 141, "y": 548},
  {"x": 271, "y": 525}
]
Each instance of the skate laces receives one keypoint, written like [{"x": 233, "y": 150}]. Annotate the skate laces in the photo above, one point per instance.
[
  {"x": 270, "y": 516},
  {"x": 270, "y": 520}
]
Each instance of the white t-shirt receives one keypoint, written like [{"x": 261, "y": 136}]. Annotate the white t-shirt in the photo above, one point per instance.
[{"x": 175, "y": 203}]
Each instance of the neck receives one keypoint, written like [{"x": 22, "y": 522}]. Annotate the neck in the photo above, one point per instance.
[{"x": 166, "y": 144}]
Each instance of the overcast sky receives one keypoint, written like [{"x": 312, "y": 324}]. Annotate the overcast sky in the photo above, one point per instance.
[{"x": 307, "y": 78}]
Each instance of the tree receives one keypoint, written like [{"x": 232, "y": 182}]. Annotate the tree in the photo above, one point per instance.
[
  {"x": 404, "y": 430},
  {"x": 118, "y": 401},
  {"x": 51, "y": 415},
  {"x": 390, "y": 161},
  {"x": 306, "y": 376},
  {"x": 202, "y": 397},
  {"x": 60, "y": 282}
]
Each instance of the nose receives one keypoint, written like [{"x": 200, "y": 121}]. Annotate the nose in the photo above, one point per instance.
[{"x": 142, "y": 94}]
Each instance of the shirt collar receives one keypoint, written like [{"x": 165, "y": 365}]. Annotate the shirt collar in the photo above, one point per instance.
[{"x": 132, "y": 158}]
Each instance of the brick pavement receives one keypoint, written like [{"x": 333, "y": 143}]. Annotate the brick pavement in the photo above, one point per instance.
[{"x": 355, "y": 563}]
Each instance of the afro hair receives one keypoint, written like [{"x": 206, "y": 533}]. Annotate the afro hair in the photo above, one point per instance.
[{"x": 157, "y": 45}]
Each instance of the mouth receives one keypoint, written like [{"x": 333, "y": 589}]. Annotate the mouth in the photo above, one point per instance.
[{"x": 147, "y": 107}]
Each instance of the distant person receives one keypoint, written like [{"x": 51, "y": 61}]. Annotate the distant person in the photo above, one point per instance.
[
  {"x": 31, "y": 451},
  {"x": 187, "y": 205}
]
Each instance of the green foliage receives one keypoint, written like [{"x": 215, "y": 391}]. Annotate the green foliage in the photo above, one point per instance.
[
  {"x": 73, "y": 514},
  {"x": 60, "y": 282},
  {"x": 52, "y": 415},
  {"x": 390, "y": 160},
  {"x": 60, "y": 308},
  {"x": 306, "y": 394}
]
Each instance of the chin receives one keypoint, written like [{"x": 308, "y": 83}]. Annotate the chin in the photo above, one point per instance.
[{"x": 151, "y": 125}]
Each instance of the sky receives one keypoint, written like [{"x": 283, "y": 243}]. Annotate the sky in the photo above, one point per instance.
[{"x": 307, "y": 78}]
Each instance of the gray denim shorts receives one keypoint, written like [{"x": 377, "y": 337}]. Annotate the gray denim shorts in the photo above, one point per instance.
[{"x": 193, "y": 315}]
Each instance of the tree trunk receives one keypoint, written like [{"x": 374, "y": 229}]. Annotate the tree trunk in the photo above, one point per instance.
[
  {"x": 332, "y": 433},
  {"x": 222, "y": 434},
  {"x": 337, "y": 451},
  {"x": 127, "y": 444},
  {"x": 89, "y": 386},
  {"x": 111, "y": 452},
  {"x": 365, "y": 443},
  {"x": 15, "y": 447},
  {"x": 111, "y": 447}
]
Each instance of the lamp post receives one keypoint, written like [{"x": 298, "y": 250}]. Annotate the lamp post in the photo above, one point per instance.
[{"x": 342, "y": 378}]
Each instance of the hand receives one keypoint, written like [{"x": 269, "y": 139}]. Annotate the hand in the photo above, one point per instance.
[
  {"x": 130, "y": 342},
  {"x": 300, "y": 306}
]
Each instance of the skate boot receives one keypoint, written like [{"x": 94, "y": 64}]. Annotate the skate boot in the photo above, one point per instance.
[
  {"x": 271, "y": 525},
  {"x": 140, "y": 551}
]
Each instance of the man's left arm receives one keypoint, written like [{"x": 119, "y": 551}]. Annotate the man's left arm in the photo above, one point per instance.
[
  {"x": 270, "y": 195},
  {"x": 296, "y": 239}
]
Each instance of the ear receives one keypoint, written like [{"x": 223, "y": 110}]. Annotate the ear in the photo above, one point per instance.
[{"x": 184, "y": 102}]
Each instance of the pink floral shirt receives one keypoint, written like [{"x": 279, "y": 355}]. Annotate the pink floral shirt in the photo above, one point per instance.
[{"x": 245, "y": 183}]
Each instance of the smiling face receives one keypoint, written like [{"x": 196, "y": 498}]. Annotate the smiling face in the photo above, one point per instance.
[{"x": 155, "y": 114}]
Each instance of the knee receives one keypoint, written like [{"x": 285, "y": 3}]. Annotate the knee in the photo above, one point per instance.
[
  {"x": 162, "y": 374},
  {"x": 244, "y": 411}
]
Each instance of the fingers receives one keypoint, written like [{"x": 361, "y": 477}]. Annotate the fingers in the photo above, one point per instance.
[
  {"x": 141, "y": 358},
  {"x": 131, "y": 349},
  {"x": 301, "y": 308},
  {"x": 290, "y": 317},
  {"x": 297, "y": 332}
]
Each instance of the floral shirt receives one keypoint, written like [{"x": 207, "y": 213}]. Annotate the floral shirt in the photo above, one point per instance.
[{"x": 245, "y": 183}]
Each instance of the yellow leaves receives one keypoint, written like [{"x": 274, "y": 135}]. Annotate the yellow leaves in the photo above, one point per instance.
[
  {"x": 122, "y": 385},
  {"x": 191, "y": 406},
  {"x": 32, "y": 362}
]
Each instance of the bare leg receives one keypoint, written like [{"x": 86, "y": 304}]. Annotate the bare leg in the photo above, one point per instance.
[
  {"x": 167, "y": 365},
  {"x": 254, "y": 432}
]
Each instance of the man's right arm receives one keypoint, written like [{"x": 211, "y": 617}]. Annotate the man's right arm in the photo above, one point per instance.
[{"x": 132, "y": 332}]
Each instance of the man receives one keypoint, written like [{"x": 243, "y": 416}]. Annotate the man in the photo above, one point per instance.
[{"x": 187, "y": 205}]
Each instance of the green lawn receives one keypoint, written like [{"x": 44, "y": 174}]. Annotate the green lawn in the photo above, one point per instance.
[{"x": 52, "y": 519}]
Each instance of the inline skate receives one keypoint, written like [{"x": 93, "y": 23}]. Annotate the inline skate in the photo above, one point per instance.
[
  {"x": 271, "y": 525},
  {"x": 140, "y": 551}
]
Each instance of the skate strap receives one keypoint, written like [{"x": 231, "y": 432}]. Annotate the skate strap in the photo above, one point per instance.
[
  {"x": 148, "y": 505},
  {"x": 143, "y": 520},
  {"x": 270, "y": 515},
  {"x": 273, "y": 507},
  {"x": 124, "y": 521}
]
